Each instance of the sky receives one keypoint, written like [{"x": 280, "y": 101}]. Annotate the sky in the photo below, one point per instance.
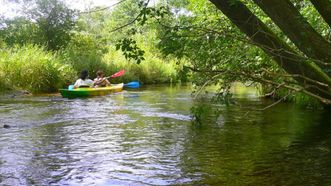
[
  {"x": 85, "y": 4},
  {"x": 7, "y": 9},
  {"x": 10, "y": 9}
]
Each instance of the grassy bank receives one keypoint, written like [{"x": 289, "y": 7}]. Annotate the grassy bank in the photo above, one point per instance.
[{"x": 36, "y": 70}]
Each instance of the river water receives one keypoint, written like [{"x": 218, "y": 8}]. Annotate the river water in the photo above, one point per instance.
[{"x": 147, "y": 137}]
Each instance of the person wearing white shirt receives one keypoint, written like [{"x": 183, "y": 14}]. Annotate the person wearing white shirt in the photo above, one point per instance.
[{"x": 83, "y": 81}]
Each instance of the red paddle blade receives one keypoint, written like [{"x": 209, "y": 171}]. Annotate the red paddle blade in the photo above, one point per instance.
[{"x": 117, "y": 74}]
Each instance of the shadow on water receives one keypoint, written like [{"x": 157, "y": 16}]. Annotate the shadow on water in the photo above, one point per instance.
[
  {"x": 305, "y": 160},
  {"x": 240, "y": 145}
]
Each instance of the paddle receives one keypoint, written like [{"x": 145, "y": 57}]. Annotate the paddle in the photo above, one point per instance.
[
  {"x": 133, "y": 84},
  {"x": 117, "y": 74}
]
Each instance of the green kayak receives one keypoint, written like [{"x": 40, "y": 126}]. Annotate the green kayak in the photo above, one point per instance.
[{"x": 88, "y": 92}]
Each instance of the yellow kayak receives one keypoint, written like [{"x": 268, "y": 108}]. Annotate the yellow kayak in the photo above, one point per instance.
[{"x": 88, "y": 92}]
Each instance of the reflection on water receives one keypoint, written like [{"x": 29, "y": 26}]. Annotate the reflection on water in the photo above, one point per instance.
[{"x": 146, "y": 137}]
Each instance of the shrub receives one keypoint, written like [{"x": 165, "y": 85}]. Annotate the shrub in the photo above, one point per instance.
[{"x": 84, "y": 52}]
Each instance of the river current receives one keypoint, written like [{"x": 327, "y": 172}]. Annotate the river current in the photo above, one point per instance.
[{"x": 147, "y": 136}]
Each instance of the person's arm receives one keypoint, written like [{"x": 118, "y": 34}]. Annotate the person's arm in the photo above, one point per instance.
[
  {"x": 97, "y": 81},
  {"x": 76, "y": 85},
  {"x": 107, "y": 82}
]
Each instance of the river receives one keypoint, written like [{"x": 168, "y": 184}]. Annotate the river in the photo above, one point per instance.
[{"x": 146, "y": 136}]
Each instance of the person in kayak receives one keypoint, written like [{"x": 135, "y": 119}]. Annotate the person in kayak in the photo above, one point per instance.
[
  {"x": 83, "y": 81},
  {"x": 100, "y": 80}
]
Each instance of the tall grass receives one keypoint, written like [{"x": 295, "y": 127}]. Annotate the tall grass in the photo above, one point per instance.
[
  {"x": 32, "y": 68},
  {"x": 152, "y": 70},
  {"x": 3, "y": 84}
]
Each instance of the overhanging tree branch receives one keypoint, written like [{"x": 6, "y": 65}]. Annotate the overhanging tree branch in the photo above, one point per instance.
[
  {"x": 297, "y": 89},
  {"x": 258, "y": 32},
  {"x": 295, "y": 26},
  {"x": 142, "y": 13}
]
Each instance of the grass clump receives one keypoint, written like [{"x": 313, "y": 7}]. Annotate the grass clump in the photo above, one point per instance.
[{"x": 34, "y": 69}]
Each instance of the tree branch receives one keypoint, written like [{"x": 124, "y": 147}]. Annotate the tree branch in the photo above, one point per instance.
[
  {"x": 132, "y": 21},
  {"x": 321, "y": 99},
  {"x": 275, "y": 103},
  {"x": 299, "y": 76},
  {"x": 259, "y": 33}
]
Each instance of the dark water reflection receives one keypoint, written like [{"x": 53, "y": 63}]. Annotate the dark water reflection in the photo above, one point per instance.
[{"x": 146, "y": 137}]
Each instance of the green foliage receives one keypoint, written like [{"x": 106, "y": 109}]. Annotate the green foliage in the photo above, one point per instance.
[
  {"x": 204, "y": 111},
  {"x": 85, "y": 47},
  {"x": 130, "y": 49},
  {"x": 137, "y": 42},
  {"x": 216, "y": 56},
  {"x": 47, "y": 23},
  {"x": 200, "y": 113},
  {"x": 297, "y": 98},
  {"x": 313, "y": 17},
  {"x": 84, "y": 52},
  {"x": 3, "y": 83},
  {"x": 32, "y": 68},
  {"x": 304, "y": 100},
  {"x": 217, "y": 52},
  {"x": 18, "y": 31},
  {"x": 182, "y": 36},
  {"x": 55, "y": 21},
  {"x": 152, "y": 70}
]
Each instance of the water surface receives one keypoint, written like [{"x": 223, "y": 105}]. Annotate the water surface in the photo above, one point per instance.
[{"x": 146, "y": 137}]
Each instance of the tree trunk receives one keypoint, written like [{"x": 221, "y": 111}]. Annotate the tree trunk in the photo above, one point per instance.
[
  {"x": 300, "y": 32},
  {"x": 324, "y": 8},
  {"x": 286, "y": 58}
]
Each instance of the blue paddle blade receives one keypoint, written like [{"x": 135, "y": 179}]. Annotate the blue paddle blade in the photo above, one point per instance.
[{"x": 133, "y": 84}]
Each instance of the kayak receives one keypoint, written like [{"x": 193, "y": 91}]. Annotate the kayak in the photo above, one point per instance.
[{"x": 88, "y": 92}]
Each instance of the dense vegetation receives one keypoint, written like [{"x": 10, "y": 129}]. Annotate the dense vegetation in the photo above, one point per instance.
[
  {"x": 283, "y": 46},
  {"x": 255, "y": 41},
  {"x": 47, "y": 47}
]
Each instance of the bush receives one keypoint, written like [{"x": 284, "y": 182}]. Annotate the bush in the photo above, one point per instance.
[{"x": 84, "y": 52}]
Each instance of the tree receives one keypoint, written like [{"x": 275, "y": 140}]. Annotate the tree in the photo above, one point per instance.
[
  {"x": 303, "y": 54},
  {"x": 55, "y": 22},
  {"x": 18, "y": 31},
  {"x": 44, "y": 22},
  {"x": 311, "y": 70}
]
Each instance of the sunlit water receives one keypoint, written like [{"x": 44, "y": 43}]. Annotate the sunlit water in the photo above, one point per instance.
[{"x": 146, "y": 137}]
